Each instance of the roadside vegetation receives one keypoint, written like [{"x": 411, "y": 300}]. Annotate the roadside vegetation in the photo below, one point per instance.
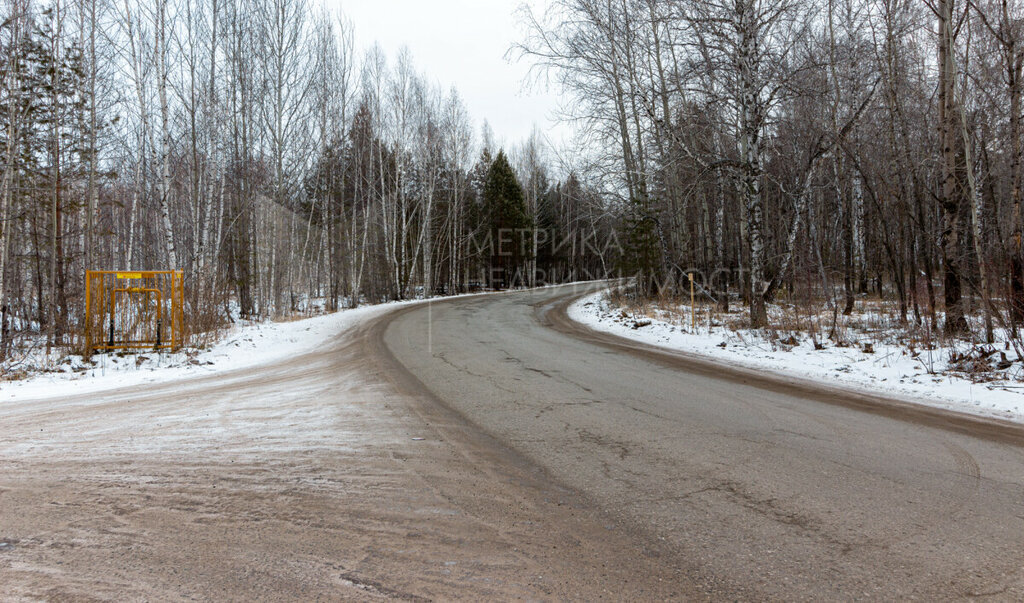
[
  {"x": 874, "y": 330},
  {"x": 868, "y": 350},
  {"x": 850, "y": 172}
]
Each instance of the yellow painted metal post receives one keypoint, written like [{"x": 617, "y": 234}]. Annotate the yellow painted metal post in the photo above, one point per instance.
[
  {"x": 180, "y": 277},
  {"x": 101, "y": 308},
  {"x": 173, "y": 310},
  {"x": 88, "y": 314},
  {"x": 177, "y": 309}
]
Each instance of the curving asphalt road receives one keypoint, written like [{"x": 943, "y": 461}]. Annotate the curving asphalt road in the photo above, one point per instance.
[
  {"x": 757, "y": 488},
  {"x": 316, "y": 479},
  {"x": 487, "y": 448}
]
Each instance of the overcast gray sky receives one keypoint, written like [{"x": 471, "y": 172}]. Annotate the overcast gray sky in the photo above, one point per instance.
[{"x": 462, "y": 43}]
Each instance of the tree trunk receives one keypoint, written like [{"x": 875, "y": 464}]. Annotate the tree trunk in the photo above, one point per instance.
[
  {"x": 165, "y": 135},
  {"x": 751, "y": 116},
  {"x": 950, "y": 193}
]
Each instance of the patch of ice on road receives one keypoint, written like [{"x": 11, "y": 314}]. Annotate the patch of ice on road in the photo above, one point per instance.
[{"x": 887, "y": 371}]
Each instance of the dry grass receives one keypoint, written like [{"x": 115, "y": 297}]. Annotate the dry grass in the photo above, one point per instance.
[{"x": 874, "y": 323}]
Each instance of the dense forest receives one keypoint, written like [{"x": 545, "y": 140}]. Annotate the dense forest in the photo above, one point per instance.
[
  {"x": 817, "y": 151},
  {"x": 249, "y": 144},
  {"x": 812, "y": 153}
]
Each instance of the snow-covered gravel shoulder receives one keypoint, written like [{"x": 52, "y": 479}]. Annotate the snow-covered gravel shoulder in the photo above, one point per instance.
[
  {"x": 243, "y": 346},
  {"x": 889, "y": 371}
]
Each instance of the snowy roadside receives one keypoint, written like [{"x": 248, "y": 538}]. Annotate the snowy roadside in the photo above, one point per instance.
[
  {"x": 887, "y": 370},
  {"x": 244, "y": 345}
]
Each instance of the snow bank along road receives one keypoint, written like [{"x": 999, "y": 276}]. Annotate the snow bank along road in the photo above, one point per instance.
[
  {"x": 754, "y": 486},
  {"x": 555, "y": 463}
]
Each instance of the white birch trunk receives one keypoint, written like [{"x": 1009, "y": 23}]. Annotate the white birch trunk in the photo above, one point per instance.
[{"x": 165, "y": 135}]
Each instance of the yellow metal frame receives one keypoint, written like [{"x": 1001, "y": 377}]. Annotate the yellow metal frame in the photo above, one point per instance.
[{"x": 99, "y": 311}]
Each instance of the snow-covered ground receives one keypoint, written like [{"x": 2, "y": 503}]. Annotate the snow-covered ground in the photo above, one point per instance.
[
  {"x": 891, "y": 370},
  {"x": 245, "y": 345}
]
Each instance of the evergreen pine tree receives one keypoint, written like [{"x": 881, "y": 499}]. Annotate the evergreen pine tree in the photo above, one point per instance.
[
  {"x": 505, "y": 209},
  {"x": 642, "y": 256},
  {"x": 473, "y": 217}
]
